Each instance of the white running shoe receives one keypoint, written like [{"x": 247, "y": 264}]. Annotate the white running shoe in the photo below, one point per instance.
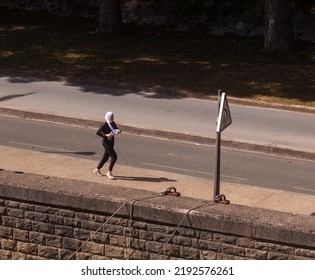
[
  {"x": 97, "y": 172},
  {"x": 110, "y": 175}
]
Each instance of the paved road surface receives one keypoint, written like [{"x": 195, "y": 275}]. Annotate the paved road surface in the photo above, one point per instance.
[
  {"x": 269, "y": 127},
  {"x": 247, "y": 168},
  {"x": 253, "y": 126}
]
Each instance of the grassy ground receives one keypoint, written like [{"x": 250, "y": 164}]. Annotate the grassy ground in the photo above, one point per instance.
[{"x": 155, "y": 59}]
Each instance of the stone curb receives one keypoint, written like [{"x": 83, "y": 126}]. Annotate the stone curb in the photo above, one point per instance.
[{"x": 239, "y": 145}]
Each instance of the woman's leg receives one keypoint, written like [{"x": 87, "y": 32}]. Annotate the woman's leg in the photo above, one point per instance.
[
  {"x": 103, "y": 160},
  {"x": 113, "y": 159},
  {"x": 111, "y": 152},
  {"x": 109, "y": 149}
]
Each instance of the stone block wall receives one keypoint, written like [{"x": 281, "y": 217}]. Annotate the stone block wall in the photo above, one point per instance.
[{"x": 53, "y": 218}]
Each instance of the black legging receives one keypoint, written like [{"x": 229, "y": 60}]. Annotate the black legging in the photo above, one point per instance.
[{"x": 108, "y": 152}]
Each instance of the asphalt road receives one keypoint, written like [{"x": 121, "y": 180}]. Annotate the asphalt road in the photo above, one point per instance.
[
  {"x": 142, "y": 109},
  {"x": 150, "y": 153}
]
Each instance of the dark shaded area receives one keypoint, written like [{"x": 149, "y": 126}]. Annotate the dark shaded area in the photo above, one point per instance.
[
  {"x": 144, "y": 179},
  {"x": 83, "y": 153},
  {"x": 9, "y": 97},
  {"x": 170, "y": 64}
]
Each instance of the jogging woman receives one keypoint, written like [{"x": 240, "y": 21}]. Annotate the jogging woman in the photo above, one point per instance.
[{"x": 107, "y": 131}]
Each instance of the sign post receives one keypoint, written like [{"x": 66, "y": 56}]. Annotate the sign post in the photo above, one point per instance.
[{"x": 223, "y": 121}]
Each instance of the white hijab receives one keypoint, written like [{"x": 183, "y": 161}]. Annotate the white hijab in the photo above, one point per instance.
[{"x": 108, "y": 116}]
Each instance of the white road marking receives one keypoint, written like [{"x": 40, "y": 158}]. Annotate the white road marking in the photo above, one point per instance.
[
  {"x": 176, "y": 168},
  {"x": 41, "y": 147},
  {"x": 187, "y": 170},
  {"x": 303, "y": 189}
]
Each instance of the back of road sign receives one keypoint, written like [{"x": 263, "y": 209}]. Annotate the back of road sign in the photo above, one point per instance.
[{"x": 224, "y": 118}]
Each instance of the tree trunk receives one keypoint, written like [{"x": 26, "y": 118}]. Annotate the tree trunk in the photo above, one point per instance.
[
  {"x": 110, "y": 19},
  {"x": 278, "y": 26}
]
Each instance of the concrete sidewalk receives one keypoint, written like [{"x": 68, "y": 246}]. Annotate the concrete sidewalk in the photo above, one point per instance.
[
  {"x": 189, "y": 119},
  {"x": 155, "y": 181}
]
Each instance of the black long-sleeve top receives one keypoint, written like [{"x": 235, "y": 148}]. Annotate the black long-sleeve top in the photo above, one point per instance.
[{"x": 105, "y": 129}]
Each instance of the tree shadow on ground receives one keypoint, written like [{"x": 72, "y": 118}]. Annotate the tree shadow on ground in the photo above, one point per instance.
[
  {"x": 165, "y": 65},
  {"x": 14, "y": 96}
]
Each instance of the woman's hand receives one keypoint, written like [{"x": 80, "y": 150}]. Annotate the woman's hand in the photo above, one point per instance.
[{"x": 109, "y": 135}]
